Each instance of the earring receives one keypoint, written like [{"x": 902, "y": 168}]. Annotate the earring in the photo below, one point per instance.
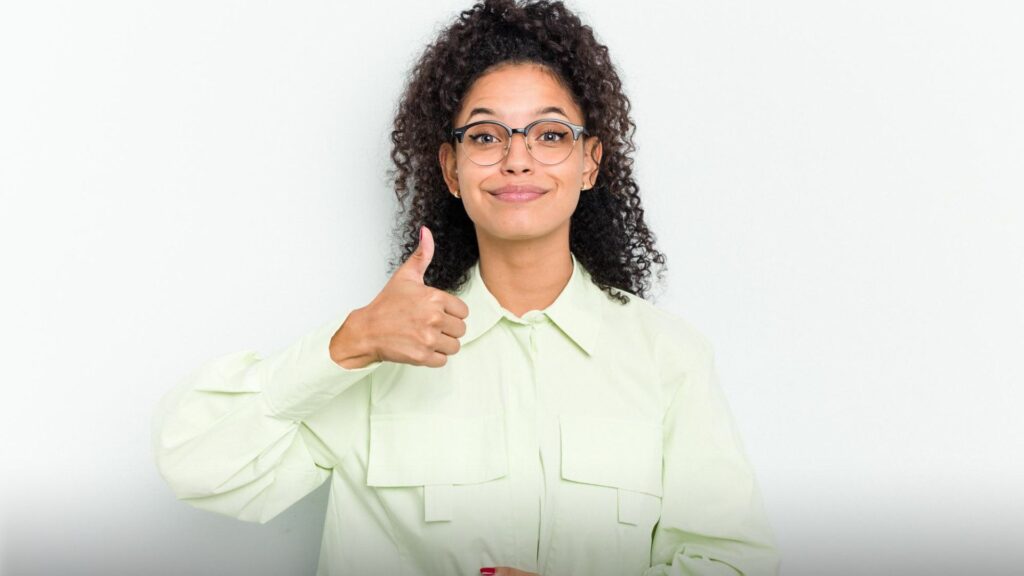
[{"x": 457, "y": 194}]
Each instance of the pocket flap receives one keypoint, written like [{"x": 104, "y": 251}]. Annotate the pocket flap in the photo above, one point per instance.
[
  {"x": 612, "y": 452},
  {"x": 424, "y": 450}
]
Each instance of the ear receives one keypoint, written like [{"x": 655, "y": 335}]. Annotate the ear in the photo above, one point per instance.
[
  {"x": 592, "y": 151},
  {"x": 446, "y": 157}
]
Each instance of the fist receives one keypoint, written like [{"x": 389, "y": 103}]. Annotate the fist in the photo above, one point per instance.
[{"x": 410, "y": 322}]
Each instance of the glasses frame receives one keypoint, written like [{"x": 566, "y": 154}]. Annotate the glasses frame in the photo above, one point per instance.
[{"x": 458, "y": 133}]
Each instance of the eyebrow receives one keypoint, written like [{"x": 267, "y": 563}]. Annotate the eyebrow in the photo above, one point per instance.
[{"x": 539, "y": 112}]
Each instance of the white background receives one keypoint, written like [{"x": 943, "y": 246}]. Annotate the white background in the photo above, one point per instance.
[{"x": 837, "y": 186}]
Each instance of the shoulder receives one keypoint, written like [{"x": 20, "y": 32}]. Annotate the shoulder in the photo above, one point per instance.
[
  {"x": 669, "y": 327},
  {"x": 676, "y": 344}
]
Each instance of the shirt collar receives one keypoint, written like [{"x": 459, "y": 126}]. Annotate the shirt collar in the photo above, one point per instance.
[{"x": 576, "y": 311}]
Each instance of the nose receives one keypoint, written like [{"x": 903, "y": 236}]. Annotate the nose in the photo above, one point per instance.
[{"x": 518, "y": 159}]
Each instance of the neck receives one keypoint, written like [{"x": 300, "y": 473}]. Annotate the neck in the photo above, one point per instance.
[{"x": 525, "y": 276}]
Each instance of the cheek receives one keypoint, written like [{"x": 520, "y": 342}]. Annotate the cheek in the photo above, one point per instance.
[
  {"x": 472, "y": 177},
  {"x": 570, "y": 176}
]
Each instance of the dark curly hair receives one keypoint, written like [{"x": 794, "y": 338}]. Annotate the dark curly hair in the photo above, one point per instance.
[{"x": 607, "y": 232}]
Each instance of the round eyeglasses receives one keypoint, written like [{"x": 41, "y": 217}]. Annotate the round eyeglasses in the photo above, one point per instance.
[{"x": 549, "y": 140}]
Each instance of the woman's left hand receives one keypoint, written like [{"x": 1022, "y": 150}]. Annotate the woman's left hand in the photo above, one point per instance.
[{"x": 506, "y": 571}]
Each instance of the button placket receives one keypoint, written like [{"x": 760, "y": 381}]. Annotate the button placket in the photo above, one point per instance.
[
  {"x": 528, "y": 410},
  {"x": 537, "y": 409}
]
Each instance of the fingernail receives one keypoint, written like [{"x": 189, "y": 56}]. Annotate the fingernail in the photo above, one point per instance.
[
  {"x": 487, "y": 570},
  {"x": 421, "y": 233}
]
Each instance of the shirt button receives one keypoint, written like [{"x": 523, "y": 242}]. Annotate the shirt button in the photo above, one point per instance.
[{"x": 534, "y": 316}]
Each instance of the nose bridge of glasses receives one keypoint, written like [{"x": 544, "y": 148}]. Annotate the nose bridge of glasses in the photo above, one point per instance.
[
  {"x": 512, "y": 137},
  {"x": 506, "y": 151}
]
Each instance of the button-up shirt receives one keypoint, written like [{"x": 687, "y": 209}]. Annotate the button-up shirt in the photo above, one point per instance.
[{"x": 588, "y": 438}]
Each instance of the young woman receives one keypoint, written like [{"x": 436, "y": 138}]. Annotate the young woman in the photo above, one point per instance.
[{"x": 509, "y": 402}]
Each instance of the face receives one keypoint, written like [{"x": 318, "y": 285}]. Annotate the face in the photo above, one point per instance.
[{"x": 516, "y": 95}]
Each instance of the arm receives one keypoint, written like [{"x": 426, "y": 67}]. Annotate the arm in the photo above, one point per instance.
[
  {"x": 231, "y": 437},
  {"x": 713, "y": 521}
]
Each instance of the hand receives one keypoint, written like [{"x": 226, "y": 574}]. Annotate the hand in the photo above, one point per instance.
[
  {"x": 506, "y": 571},
  {"x": 408, "y": 322}
]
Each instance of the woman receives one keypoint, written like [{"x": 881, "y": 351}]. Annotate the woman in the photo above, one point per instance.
[{"x": 508, "y": 403}]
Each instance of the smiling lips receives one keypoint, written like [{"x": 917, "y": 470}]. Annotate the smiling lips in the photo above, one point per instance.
[{"x": 512, "y": 193}]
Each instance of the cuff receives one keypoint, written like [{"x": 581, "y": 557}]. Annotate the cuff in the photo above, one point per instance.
[{"x": 302, "y": 378}]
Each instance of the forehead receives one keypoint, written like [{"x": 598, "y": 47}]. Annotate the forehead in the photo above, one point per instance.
[{"x": 515, "y": 92}]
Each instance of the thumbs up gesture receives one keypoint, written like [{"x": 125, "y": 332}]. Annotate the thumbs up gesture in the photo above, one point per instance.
[{"x": 407, "y": 322}]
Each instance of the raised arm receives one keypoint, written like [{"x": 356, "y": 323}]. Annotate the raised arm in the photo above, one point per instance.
[
  {"x": 235, "y": 436},
  {"x": 231, "y": 437}
]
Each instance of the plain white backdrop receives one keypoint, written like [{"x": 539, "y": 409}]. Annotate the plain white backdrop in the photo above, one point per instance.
[{"x": 837, "y": 187}]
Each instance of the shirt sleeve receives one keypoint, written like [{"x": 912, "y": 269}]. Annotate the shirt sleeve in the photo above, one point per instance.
[
  {"x": 231, "y": 436},
  {"x": 713, "y": 521}
]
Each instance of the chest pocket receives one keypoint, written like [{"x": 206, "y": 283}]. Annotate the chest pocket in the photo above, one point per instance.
[
  {"x": 436, "y": 452},
  {"x": 625, "y": 455}
]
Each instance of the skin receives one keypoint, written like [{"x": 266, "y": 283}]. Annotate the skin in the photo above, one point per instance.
[{"x": 524, "y": 247}]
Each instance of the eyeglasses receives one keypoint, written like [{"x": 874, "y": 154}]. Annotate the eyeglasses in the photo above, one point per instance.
[{"x": 487, "y": 142}]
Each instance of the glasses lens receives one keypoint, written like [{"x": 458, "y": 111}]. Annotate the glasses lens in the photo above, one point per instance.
[
  {"x": 551, "y": 142},
  {"x": 485, "y": 143}
]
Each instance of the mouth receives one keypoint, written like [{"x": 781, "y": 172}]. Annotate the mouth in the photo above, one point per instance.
[{"x": 513, "y": 193}]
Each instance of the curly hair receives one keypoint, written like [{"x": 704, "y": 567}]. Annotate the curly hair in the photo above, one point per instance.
[{"x": 608, "y": 234}]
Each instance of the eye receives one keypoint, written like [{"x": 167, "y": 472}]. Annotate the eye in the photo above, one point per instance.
[
  {"x": 481, "y": 138},
  {"x": 553, "y": 136}
]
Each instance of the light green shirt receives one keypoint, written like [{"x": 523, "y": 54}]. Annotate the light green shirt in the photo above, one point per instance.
[{"x": 589, "y": 438}]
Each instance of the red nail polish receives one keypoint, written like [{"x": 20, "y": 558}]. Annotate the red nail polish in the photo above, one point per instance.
[
  {"x": 421, "y": 233},
  {"x": 487, "y": 570}
]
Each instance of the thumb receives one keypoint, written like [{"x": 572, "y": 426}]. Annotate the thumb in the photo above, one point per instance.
[{"x": 419, "y": 260}]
